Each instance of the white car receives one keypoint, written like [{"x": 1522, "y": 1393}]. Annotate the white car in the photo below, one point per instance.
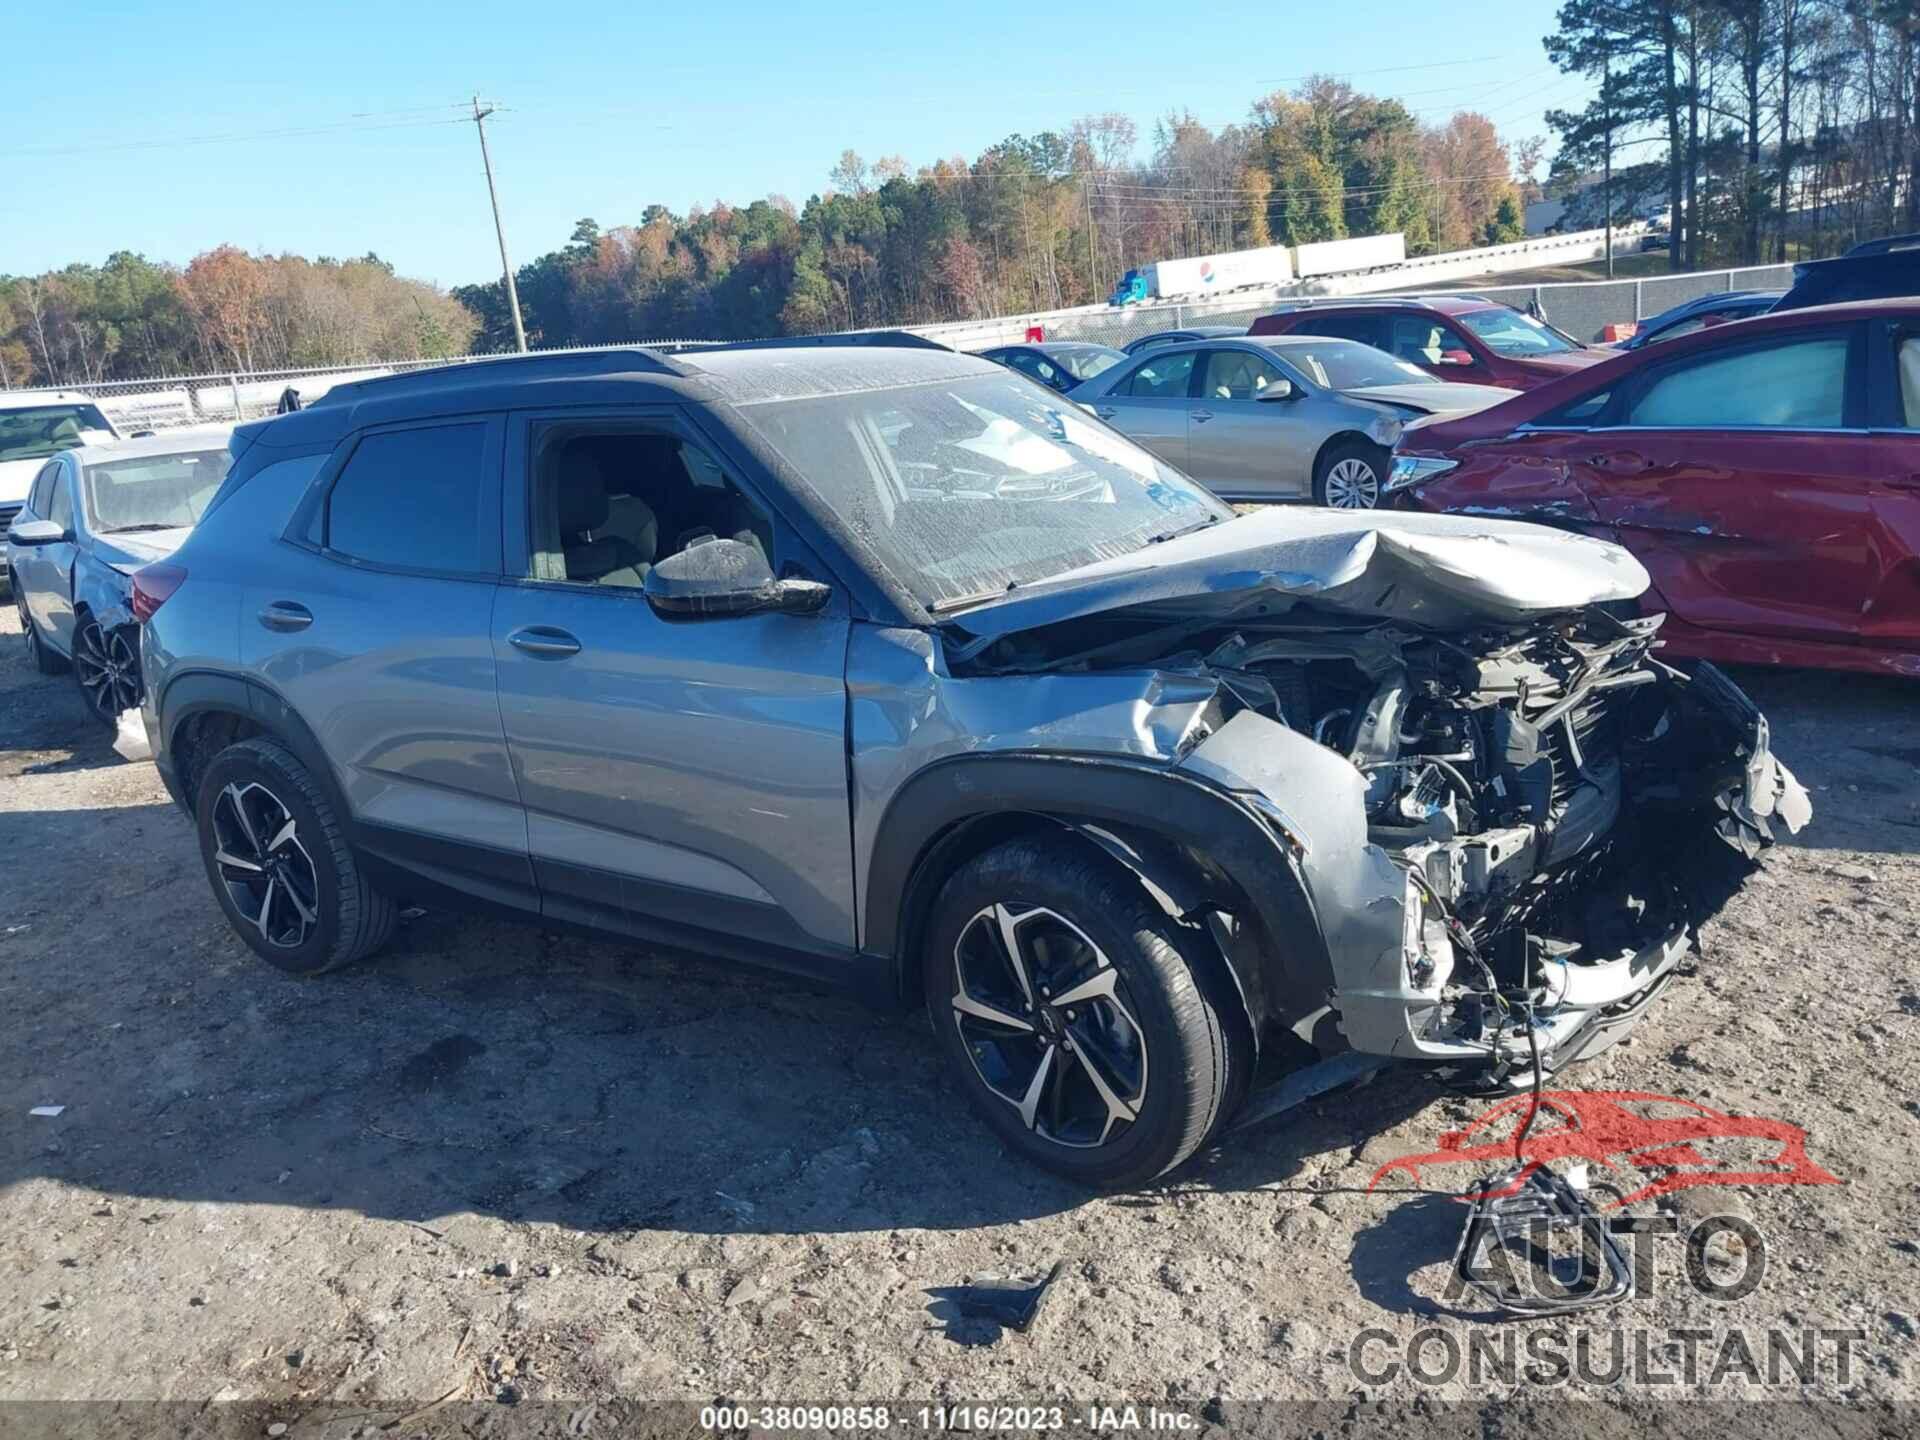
[
  {"x": 37, "y": 424},
  {"x": 93, "y": 516}
]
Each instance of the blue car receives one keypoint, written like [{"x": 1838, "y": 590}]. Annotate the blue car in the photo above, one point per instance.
[{"x": 1697, "y": 314}]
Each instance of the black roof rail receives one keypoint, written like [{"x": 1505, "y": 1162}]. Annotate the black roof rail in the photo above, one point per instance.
[
  {"x": 878, "y": 339},
  {"x": 1886, "y": 245},
  {"x": 482, "y": 368}
]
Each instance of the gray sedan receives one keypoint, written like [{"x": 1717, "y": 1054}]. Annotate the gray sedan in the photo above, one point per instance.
[{"x": 1285, "y": 417}]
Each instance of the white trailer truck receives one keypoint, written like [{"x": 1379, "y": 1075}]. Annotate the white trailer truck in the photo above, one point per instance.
[{"x": 1206, "y": 275}]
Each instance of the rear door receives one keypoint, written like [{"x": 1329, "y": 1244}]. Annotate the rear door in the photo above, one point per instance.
[
  {"x": 677, "y": 772},
  {"x": 1241, "y": 446},
  {"x": 1149, "y": 404},
  {"x": 375, "y": 628},
  {"x": 1745, "y": 479},
  {"x": 1893, "y": 367}
]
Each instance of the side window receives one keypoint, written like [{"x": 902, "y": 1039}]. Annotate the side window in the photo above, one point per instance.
[
  {"x": 60, "y": 502},
  {"x": 1907, "y": 363},
  {"x": 41, "y": 499},
  {"x": 1237, "y": 375},
  {"x": 1798, "y": 385},
  {"x": 1424, "y": 341},
  {"x": 1164, "y": 377},
  {"x": 1576, "y": 414},
  {"x": 1367, "y": 329},
  {"x": 608, "y": 504},
  {"x": 415, "y": 499}
]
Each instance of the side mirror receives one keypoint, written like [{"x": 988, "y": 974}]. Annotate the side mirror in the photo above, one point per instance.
[
  {"x": 38, "y": 532},
  {"x": 727, "y": 577},
  {"x": 1278, "y": 390},
  {"x": 1455, "y": 357}
]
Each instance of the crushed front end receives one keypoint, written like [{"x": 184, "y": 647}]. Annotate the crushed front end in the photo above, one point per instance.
[{"x": 1510, "y": 835}]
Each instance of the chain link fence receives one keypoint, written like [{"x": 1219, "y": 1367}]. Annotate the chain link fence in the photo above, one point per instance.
[{"x": 1582, "y": 309}]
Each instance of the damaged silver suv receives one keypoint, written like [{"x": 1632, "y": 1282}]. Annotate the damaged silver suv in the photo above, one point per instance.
[{"x": 881, "y": 664}]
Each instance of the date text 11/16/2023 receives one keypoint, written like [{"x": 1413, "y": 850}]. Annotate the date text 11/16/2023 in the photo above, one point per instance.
[{"x": 944, "y": 1418}]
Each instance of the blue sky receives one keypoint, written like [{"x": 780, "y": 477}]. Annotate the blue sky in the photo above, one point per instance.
[{"x": 609, "y": 112}]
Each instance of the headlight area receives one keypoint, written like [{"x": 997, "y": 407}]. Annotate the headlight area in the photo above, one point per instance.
[{"x": 1409, "y": 470}]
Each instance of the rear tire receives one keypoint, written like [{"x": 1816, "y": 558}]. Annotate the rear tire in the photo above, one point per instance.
[
  {"x": 1117, "y": 1067},
  {"x": 1350, "y": 476},
  {"x": 279, "y": 863},
  {"x": 42, "y": 659}
]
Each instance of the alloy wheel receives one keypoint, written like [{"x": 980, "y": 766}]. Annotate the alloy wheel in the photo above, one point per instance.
[
  {"x": 108, "y": 670},
  {"x": 1046, "y": 1021},
  {"x": 1352, "y": 485},
  {"x": 267, "y": 872}
]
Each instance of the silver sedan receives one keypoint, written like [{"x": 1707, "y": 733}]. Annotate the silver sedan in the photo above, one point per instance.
[{"x": 1286, "y": 417}]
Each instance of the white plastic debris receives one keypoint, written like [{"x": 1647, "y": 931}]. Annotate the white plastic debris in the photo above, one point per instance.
[
  {"x": 130, "y": 737},
  {"x": 48, "y": 1112}
]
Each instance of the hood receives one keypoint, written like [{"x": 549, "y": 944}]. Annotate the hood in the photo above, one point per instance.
[
  {"x": 1562, "y": 364},
  {"x": 16, "y": 478},
  {"x": 1443, "y": 398},
  {"x": 130, "y": 552},
  {"x": 1442, "y": 572}
]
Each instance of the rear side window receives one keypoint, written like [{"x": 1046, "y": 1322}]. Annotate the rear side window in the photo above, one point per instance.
[
  {"x": 1367, "y": 329},
  {"x": 415, "y": 500},
  {"x": 1800, "y": 385}
]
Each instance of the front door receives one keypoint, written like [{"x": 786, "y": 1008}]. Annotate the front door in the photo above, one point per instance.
[
  {"x": 675, "y": 772},
  {"x": 50, "y": 581},
  {"x": 1744, "y": 480},
  {"x": 1149, "y": 404},
  {"x": 1245, "y": 448}
]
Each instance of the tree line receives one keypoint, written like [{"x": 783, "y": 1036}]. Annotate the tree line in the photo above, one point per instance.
[
  {"x": 225, "y": 311},
  {"x": 1033, "y": 223},
  {"x": 1784, "y": 129}
]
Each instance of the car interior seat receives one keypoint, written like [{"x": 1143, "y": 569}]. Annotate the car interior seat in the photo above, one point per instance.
[
  {"x": 1910, "y": 378},
  {"x": 591, "y": 552}
]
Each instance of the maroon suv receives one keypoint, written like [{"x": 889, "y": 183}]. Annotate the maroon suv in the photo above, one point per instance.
[{"x": 1456, "y": 337}]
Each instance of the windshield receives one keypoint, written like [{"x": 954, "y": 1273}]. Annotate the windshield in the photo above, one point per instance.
[
  {"x": 1085, "y": 364},
  {"x": 153, "y": 492},
  {"x": 1508, "y": 332},
  {"x": 1349, "y": 365},
  {"x": 43, "y": 430},
  {"x": 966, "y": 489}
]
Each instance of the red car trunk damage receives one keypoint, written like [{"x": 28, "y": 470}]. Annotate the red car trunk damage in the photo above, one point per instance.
[{"x": 1765, "y": 472}]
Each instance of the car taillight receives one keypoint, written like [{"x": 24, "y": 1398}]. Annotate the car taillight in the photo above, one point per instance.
[{"x": 153, "y": 586}]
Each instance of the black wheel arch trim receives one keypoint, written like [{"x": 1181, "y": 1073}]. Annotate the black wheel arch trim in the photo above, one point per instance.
[
  {"x": 1197, "y": 845},
  {"x": 200, "y": 692}
]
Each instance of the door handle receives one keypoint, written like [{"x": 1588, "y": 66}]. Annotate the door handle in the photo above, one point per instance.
[
  {"x": 544, "y": 642},
  {"x": 1200, "y": 417},
  {"x": 286, "y": 616},
  {"x": 1105, "y": 412},
  {"x": 1621, "y": 462}
]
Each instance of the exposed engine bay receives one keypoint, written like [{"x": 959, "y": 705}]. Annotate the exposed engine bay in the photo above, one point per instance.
[{"x": 1561, "y": 808}]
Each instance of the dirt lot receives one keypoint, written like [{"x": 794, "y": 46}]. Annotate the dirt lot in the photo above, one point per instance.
[{"x": 505, "y": 1165}]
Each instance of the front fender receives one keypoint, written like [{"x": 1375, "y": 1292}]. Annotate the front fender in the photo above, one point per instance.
[
  {"x": 102, "y": 591},
  {"x": 1241, "y": 861}
]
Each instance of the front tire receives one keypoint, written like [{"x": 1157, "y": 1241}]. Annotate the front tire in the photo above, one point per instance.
[
  {"x": 1350, "y": 476},
  {"x": 1061, "y": 995},
  {"x": 280, "y": 865},
  {"x": 106, "y": 666}
]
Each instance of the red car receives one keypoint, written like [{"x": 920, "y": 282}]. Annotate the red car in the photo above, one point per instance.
[
  {"x": 1680, "y": 1143},
  {"x": 1456, "y": 337},
  {"x": 1765, "y": 472}
]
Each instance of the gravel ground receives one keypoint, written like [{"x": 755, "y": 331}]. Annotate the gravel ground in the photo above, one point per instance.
[{"x": 498, "y": 1164}]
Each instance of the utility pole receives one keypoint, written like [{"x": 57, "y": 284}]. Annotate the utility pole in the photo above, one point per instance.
[
  {"x": 1606, "y": 184},
  {"x": 1093, "y": 274},
  {"x": 480, "y": 115}
]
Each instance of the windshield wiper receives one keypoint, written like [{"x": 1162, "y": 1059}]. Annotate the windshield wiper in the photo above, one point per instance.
[
  {"x": 1184, "y": 530},
  {"x": 147, "y": 525},
  {"x": 978, "y": 597}
]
